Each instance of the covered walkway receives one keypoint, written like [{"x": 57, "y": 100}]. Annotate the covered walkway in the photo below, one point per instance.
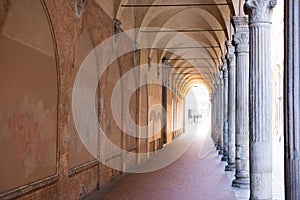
[
  {"x": 197, "y": 174},
  {"x": 91, "y": 89}
]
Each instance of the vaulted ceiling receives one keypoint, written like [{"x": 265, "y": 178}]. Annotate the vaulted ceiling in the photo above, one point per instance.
[{"x": 207, "y": 22}]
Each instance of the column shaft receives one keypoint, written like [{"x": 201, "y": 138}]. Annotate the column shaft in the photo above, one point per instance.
[
  {"x": 260, "y": 106},
  {"x": 225, "y": 110},
  {"x": 292, "y": 100},
  {"x": 261, "y": 112},
  {"x": 231, "y": 106},
  {"x": 214, "y": 116},
  {"x": 241, "y": 40},
  {"x": 217, "y": 99},
  {"x": 221, "y": 110}
]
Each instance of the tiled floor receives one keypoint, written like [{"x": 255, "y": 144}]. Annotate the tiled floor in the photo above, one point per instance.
[
  {"x": 198, "y": 174},
  {"x": 278, "y": 174}
]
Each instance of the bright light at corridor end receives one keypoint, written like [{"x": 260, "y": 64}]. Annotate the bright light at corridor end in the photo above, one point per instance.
[
  {"x": 85, "y": 116},
  {"x": 197, "y": 104}
]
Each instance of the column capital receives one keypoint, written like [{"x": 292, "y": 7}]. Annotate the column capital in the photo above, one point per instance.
[
  {"x": 215, "y": 86},
  {"x": 241, "y": 36},
  {"x": 241, "y": 42},
  {"x": 224, "y": 67},
  {"x": 217, "y": 80},
  {"x": 259, "y": 11},
  {"x": 221, "y": 75},
  {"x": 211, "y": 96},
  {"x": 230, "y": 55}
]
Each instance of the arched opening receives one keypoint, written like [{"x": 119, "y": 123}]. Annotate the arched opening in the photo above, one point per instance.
[
  {"x": 78, "y": 154},
  {"x": 197, "y": 105}
]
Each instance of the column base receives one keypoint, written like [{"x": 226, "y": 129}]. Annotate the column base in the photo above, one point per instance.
[
  {"x": 220, "y": 152},
  {"x": 252, "y": 198},
  {"x": 230, "y": 167},
  {"x": 224, "y": 158},
  {"x": 241, "y": 183}
]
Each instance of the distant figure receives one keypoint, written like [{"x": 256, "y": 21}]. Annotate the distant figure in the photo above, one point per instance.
[{"x": 280, "y": 139}]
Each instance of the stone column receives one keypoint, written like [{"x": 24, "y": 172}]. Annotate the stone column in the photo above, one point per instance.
[
  {"x": 216, "y": 114},
  {"x": 184, "y": 119},
  {"x": 225, "y": 110},
  {"x": 212, "y": 111},
  {"x": 292, "y": 100},
  {"x": 221, "y": 109},
  {"x": 231, "y": 106},
  {"x": 259, "y": 12},
  {"x": 211, "y": 99},
  {"x": 217, "y": 100},
  {"x": 241, "y": 41}
]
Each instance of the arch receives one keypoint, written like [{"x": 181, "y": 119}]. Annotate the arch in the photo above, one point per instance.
[
  {"x": 29, "y": 115},
  {"x": 78, "y": 154}
]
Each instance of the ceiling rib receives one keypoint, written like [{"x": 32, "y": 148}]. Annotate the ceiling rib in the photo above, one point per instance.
[
  {"x": 208, "y": 47},
  {"x": 196, "y": 73},
  {"x": 188, "y": 67},
  {"x": 183, "y": 31},
  {"x": 173, "y": 5},
  {"x": 193, "y": 59}
]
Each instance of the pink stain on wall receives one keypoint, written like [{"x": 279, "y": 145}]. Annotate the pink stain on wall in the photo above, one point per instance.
[{"x": 25, "y": 130}]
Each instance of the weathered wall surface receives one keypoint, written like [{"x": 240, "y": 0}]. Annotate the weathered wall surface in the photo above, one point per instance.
[{"x": 28, "y": 86}]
